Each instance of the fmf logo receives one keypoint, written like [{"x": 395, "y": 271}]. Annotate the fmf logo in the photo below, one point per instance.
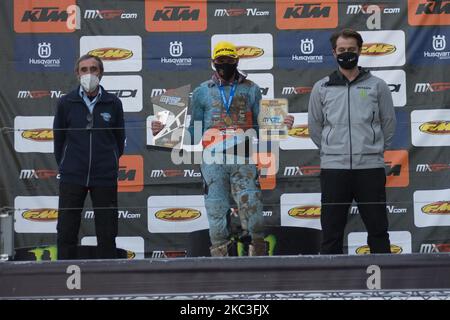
[
  {"x": 431, "y": 87},
  {"x": 38, "y": 135},
  {"x": 299, "y": 131},
  {"x": 428, "y": 12},
  {"x": 366, "y": 250},
  {"x": 111, "y": 54},
  {"x": 177, "y": 214},
  {"x": 131, "y": 254},
  {"x": 131, "y": 173},
  {"x": 304, "y": 14},
  {"x": 437, "y": 208},
  {"x": 43, "y": 16},
  {"x": 246, "y": 52},
  {"x": 305, "y": 212},
  {"x": 179, "y": 16},
  {"x": 41, "y": 215},
  {"x": 438, "y": 127},
  {"x": 377, "y": 49}
]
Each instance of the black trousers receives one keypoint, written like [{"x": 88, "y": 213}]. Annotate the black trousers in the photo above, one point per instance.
[
  {"x": 71, "y": 203},
  {"x": 367, "y": 188}
]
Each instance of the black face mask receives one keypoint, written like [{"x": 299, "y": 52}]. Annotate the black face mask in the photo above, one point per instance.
[
  {"x": 226, "y": 70},
  {"x": 347, "y": 60}
]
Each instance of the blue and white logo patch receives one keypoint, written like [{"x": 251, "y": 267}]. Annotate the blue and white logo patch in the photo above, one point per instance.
[{"x": 106, "y": 116}]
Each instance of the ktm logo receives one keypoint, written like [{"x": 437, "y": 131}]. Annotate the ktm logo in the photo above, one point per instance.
[
  {"x": 436, "y": 127},
  {"x": 131, "y": 255},
  {"x": 245, "y": 52},
  {"x": 41, "y": 215},
  {"x": 111, "y": 54},
  {"x": 178, "y": 214},
  {"x": 428, "y": 12},
  {"x": 307, "y": 10},
  {"x": 377, "y": 49},
  {"x": 305, "y": 212},
  {"x": 366, "y": 250},
  {"x": 43, "y": 16},
  {"x": 176, "y": 13},
  {"x": 177, "y": 16},
  {"x": 299, "y": 131},
  {"x": 40, "y": 135},
  {"x": 437, "y": 208},
  {"x": 131, "y": 173},
  {"x": 306, "y": 14},
  {"x": 434, "y": 7},
  {"x": 397, "y": 168}
]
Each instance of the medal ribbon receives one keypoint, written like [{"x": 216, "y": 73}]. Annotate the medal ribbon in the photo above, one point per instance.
[{"x": 227, "y": 104}]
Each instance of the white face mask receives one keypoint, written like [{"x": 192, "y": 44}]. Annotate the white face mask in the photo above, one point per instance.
[{"x": 89, "y": 82}]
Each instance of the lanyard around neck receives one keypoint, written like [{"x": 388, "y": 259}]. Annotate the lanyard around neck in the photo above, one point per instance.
[{"x": 227, "y": 104}]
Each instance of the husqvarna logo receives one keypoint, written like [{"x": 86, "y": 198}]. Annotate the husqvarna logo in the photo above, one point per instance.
[
  {"x": 307, "y": 46},
  {"x": 439, "y": 42},
  {"x": 44, "y": 50},
  {"x": 176, "y": 48}
]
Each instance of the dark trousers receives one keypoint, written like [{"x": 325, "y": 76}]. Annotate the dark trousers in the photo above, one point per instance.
[
  {"x": 367, "y": 188},
  {"x": 71, "y": 203}
]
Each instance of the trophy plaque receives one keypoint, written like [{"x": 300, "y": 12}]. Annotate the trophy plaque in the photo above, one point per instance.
[
  {"x": 271, "y": 119},
  {"x": 170, "y": 108}
]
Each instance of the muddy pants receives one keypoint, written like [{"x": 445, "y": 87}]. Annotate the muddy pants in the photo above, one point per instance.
[{"x": 227, "y": 182}]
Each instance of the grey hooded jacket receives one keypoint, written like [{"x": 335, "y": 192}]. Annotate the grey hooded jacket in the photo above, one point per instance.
[{"x": 352, "y": 123}]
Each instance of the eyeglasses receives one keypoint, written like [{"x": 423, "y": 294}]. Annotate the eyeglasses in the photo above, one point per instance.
[{"x": 90, "y": 120}]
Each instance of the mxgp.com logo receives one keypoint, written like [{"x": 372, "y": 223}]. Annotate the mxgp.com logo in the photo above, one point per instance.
[
  {"x": 366, "y": 9},
  {"x": 95, "y": 14}
]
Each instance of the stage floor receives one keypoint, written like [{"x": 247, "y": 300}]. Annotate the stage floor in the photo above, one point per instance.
[{"x": 275, "y": 277}]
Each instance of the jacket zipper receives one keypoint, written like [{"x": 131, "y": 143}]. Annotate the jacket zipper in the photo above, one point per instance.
[
  {"x": 64, "y": 156},
  {"x": 90, "y": 152},
  {"x": 115, "y": 156},
  {"x": 326, "y": 120},
  {"x": 371, "y": 125},
  {"x": 349, "y": 125}
]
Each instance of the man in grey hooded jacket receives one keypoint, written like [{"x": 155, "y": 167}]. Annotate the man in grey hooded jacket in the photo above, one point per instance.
[{"x": 351, "y": 119}]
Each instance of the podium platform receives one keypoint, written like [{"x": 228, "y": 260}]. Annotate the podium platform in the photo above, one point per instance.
[{"x": 266, "y": 277}]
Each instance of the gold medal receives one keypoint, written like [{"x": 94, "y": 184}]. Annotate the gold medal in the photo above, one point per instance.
[{"x": 228, "y": 121}]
